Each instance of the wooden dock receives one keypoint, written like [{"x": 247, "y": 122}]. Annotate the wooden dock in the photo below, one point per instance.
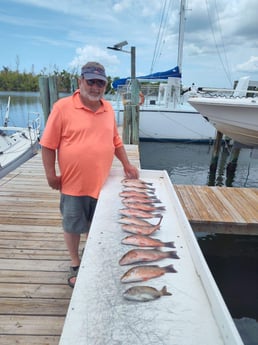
[
  {"x": 220, "y": 209},
  {"x": 34, "y": 262}
]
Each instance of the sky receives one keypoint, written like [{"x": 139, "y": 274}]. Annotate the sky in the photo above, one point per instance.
[{"x": 220, "y": 37}]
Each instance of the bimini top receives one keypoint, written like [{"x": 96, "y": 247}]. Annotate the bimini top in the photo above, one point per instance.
[{"x": 158, "y": 76}]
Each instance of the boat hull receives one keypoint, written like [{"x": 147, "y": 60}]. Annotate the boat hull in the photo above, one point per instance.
[
  {"x": 175, "y": 125},
  {"x": 236, "y": 118},
  {"x": 157, "y": 124}
]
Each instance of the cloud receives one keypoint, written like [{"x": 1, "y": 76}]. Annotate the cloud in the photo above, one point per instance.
[
  {"x": 250, "y": 66},
  {"x": 93, "y": 53}
]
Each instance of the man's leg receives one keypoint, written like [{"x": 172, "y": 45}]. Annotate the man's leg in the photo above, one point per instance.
[{"x": 72, "y": 242}]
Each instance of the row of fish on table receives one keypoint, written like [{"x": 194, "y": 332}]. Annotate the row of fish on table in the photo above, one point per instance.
[{"x": 141, "y": 208}]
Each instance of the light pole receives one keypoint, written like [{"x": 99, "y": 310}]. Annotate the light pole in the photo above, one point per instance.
[
  {"x": 118, "y": 47},
  {"x": 131, "y": 113}
]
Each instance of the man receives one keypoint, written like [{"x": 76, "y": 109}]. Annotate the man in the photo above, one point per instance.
[{"x": 81, "y": 133}]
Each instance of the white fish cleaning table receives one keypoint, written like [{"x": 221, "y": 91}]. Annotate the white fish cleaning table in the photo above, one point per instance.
[{"x": 98, "y": 314}]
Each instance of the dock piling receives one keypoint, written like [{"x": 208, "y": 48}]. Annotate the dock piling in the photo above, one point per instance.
[{"x": 48, "y": 93}]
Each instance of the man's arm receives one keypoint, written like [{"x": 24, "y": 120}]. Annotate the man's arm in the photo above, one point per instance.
[
  {"x": 130, "y": 170},
  {"x": 49, "y": 161}
]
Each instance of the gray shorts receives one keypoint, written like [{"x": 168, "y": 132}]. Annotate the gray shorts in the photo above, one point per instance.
[{"x": 77, "y": 212}]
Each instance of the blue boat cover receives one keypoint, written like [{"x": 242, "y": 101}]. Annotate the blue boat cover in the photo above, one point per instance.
[{"x": 174, "y": 72}]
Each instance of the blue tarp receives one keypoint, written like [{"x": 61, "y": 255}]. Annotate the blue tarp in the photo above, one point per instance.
[{"x": 174, "y": 72}]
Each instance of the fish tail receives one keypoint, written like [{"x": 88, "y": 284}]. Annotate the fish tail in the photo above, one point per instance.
[
  {"x": 170, "y": 244},
  {"x": 173, "y": 255},
  {"x": 161, "y": 208},
  {"x": 158, "y": 215},
  {"x": 164, "y": 292},
  {"x": 170, "y": 268}
]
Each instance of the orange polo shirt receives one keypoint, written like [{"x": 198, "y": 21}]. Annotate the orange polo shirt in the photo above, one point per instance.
[{"x": 85, "y": 142}]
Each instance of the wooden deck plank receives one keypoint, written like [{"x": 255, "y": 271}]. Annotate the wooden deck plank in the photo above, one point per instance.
[
  {"x": 8, "y": 339},
  {"x": 27, "y": 254},
  {"x": 28, "y": 306},
  {"x": 35, "y": 265},
  {"x": 31, "y": 324},
  {"x": 46, "y": 290},
  {"x": 33, "y": 277}
]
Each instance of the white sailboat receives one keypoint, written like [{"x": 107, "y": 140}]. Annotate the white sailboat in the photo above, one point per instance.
[
  {"x": 165, "y": 113},
  {"x": 17, "y": 144}
]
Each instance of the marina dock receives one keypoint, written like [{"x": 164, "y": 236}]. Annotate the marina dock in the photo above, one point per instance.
[
  {"x": 220, "y": 209},
  {"x": 34, "y": 261}
]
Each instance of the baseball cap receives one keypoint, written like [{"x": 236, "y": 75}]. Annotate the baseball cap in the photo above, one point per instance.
[{"x": 93, "y": 70}]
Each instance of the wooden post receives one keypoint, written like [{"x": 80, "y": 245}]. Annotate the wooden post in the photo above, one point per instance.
[
  {"x": 74, "y": 84},
  {"x": 214, "y": 158},
  {"x": 232, "y": 165},
  {"x": 127, "y": 123},
  {"x": 135, "y": 89},
  {"x": 135, "y": 125},
  {"x": 53, "y": 92},
  {"x": 44, "y": 95},
  {"x": 222, "y": 164},
  {"x": 48, "y": 93}
]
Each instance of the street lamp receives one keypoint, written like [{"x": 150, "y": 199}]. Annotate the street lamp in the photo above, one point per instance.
[
  {"x": 131, "y": 110},
  {"x": 118, "y": 47}
]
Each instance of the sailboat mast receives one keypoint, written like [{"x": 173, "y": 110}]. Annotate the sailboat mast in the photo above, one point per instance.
[{"x": 181, "y": 35}]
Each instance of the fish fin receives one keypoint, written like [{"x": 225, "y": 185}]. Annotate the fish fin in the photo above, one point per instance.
[
  {"x": 164, "y": 292},
  {"x": 157, "y": 215},
  {"x": 160, "y": 220},
  {"x": 173, "y": 255},
  {"x": 170, "y": 244},
  {"x": 161, "y": 208},
  {"x": 156, "y": 201},
  {"x": 170, "y": 268}
]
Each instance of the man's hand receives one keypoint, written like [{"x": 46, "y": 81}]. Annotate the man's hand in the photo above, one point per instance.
[
  {"x": 54, "y": 182},
  {"x": 131, "y": 172}
]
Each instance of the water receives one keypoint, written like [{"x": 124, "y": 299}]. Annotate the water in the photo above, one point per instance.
[
  {"x": 21, "y": 106},
  {"x": 189, "y": 164},
  {"x": 232, "y": 259}
]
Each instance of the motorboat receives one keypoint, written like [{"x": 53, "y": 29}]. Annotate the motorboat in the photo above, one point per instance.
[
  {"x": 236, "y": 115},
  {"x": 18, "y": 144}
]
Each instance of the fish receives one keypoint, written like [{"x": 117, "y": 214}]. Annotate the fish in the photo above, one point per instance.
[
  {"x": 135, "y": 256},
  {"x": 136, "y": 180},
  {"x": 145, "y": 293},
  {"x": 136, "y": 221},
  {"x": 139, "y": 226},
  {"x": 137, "y": 184},
  {"x": 143, "y": 273},
  {"x": 140, "y": 230},
  {"x": 131, "y": 212},
  {"x": 136, "y": 189},
  {"x": 145, "y": 241},
  {"x": 144, "y": 207},
  {"x": 143, "y": 200},
  {"x": 133, "y": 193}
]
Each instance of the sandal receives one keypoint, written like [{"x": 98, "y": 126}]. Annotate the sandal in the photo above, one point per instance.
[{"x": 73, "y": 274}]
